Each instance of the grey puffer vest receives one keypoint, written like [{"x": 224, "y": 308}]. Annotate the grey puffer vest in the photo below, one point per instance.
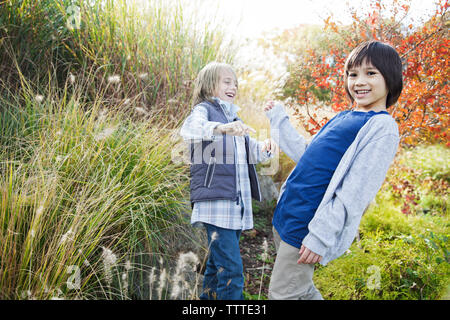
[{"x": 213, "y": 169}]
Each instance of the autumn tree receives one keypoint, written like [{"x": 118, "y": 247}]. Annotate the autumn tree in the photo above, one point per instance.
[{"x": 422, "y": 110}]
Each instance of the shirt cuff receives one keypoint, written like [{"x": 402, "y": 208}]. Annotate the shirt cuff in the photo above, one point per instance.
[
  {"x": 315, "y": 245},
  {"x": 208, "y": 131},
  {"x": 276, "y": 111}
]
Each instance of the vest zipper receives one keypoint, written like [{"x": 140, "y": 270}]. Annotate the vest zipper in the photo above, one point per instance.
[
  {"x": 208, "y": 182},
  {"x": 212, "y": 173}
]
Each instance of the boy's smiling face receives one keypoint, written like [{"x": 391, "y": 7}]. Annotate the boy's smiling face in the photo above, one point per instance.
[
  {"x": 227, "y": 87},
  {"x": 367, "y": 87}
]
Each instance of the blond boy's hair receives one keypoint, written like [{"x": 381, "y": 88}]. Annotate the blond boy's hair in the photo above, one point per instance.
[{"x": 208, "y": 80}]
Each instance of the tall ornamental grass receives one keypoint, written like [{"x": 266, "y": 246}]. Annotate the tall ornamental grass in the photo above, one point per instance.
[
  {"x": 75, "y": 184},
  {"x": 150, "y": 50}
]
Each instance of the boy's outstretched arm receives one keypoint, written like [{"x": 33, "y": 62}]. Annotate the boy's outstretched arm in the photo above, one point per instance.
[{"x": 284, "y": 134}]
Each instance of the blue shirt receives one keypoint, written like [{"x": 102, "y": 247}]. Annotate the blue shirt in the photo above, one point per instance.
[{"x": 309, "y": 180}]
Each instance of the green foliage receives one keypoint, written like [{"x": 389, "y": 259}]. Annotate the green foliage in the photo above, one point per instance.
[
  {"x": 389, "y": 263},
  {"x": 430, "y": 161},
  {"x": 33, "y": 35},
  {"x": 420, "y": 180}
]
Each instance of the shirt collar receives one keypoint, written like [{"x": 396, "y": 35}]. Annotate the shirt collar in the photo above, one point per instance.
[{"x": 228, "y": 106}]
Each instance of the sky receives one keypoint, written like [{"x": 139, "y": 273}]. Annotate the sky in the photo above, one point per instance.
[
  {"x": 256, "y": 16},
  {"x": 250, "y": 18}
]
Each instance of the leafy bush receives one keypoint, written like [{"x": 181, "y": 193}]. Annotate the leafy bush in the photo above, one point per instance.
[
  {"x": 431, "y": 161},
  {"x": 390, "y": 262},
  {"x": 420, "y": 180}
]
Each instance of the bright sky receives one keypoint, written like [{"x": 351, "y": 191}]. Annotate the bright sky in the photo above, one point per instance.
[
  {"x": 250, "y": 18},
  {"x": 256, "y": 16}
]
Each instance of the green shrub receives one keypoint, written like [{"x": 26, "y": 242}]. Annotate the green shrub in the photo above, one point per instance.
[
  {"x": 430, "y": 161},
  {"x": 390, "y": 262},
  {"x": 419, "y": 180}
]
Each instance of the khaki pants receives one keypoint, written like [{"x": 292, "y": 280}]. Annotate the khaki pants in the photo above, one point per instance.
[{"x": 289, "y": 280}]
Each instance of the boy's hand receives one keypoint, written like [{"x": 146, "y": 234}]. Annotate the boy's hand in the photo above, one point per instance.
[
  {"x": 235, "y": 128},
  {"x": 307, "y": 256},
  {"x": 270, "y": 104},
  {"x": 270, "y": 146}
]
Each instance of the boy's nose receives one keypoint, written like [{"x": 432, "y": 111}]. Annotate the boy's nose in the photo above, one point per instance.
[{"x": 360, "y": 81}]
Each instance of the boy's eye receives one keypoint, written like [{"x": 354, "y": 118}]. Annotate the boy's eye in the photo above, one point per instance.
[
  {"x": 352, "y": 74},
  {"x": 229, "y": 82},
  {"x": 371, "y": 73}
]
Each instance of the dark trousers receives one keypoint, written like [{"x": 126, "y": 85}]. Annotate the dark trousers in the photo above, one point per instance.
[{"x": 223, "y": 278}]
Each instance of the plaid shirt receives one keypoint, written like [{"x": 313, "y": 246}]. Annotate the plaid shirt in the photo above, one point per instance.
[{"x": 226, "y": 214}]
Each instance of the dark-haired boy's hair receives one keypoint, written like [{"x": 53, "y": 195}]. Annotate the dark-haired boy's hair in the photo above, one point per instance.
[{"x": 383, "y": 57}]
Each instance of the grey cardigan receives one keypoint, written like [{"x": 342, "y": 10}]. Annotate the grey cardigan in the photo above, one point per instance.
[{"x": 354, "y": 184}]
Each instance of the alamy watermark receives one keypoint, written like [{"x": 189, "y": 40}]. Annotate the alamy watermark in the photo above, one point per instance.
[
  {"x": 374, "y": 280},
  {"x": 74, "y": 280},
  {"x": 74, "y": 17}
]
